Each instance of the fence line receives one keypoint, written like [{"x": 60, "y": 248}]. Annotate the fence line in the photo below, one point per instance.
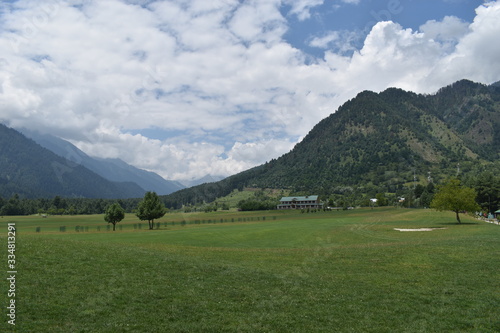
[{"x": 166, "y": 224}]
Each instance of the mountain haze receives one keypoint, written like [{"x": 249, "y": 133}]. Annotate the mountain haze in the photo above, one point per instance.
[
  {"x": 381, "y": 141},
  {"x": 31, "y": 171},
  {"x": 114, "y": 170},
  {"x": 202, "y": 180}
]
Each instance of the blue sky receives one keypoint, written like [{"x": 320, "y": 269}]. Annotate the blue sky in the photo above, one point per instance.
[
  {"x": 360, "y": 17},
  {"x": 187, "y": 88}
]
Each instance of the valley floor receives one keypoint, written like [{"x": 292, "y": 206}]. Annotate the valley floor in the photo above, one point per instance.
[{"x": 346, "y": 271}]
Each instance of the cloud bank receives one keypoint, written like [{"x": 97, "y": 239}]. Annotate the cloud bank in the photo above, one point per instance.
[{"x": 217, "y": 79}]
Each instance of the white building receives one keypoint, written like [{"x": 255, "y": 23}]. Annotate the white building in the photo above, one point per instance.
[{"x": 310, "y": 201}]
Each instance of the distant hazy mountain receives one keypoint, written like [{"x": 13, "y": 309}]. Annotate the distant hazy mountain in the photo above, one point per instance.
[
  {"x": 28, "y": 169},
  {"x": 203, "y": 180},
  {"x": 112, "y": 169},
  {"x": 380, "y": 141}
]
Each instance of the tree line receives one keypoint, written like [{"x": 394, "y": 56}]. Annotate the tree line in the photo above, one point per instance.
[
  {"x": 485, "y": 183},
  {"x": 15, "y": 205}
]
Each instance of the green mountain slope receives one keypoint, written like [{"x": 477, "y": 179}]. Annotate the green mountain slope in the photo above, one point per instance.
[
  {"x": 380, "y": 141},
  {"x": 32, "y": 171},
  {"x": 472, "y": 111}
]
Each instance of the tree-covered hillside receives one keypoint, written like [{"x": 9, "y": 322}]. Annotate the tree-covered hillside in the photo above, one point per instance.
[{"x": 381, "y": 142}]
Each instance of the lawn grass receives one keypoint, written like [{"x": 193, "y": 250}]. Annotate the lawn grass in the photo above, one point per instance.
[{"x": 323, "y": 272}]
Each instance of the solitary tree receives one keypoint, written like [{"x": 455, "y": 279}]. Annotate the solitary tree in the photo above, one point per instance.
[
  {"x": 114, "y": 214},
  {"x": 150, "y": 208},
  {"x": 452, "y": 196}
]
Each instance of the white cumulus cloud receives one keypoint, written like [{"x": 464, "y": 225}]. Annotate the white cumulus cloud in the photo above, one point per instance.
[{"x": 217, "y": 77}]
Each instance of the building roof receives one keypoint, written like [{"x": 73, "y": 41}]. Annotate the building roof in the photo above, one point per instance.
[{"x": 308, "y": 197}]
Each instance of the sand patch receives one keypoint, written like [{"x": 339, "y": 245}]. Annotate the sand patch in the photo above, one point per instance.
[{"x": 420, "y": 229}]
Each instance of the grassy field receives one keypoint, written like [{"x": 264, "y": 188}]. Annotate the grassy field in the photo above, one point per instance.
[{"x": 275, "y": 271}]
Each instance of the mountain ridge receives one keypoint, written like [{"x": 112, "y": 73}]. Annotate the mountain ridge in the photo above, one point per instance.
[
  {"x": 32, "y": 171},
  {"x": 205, "y": 179},
  {"x": 380, "y": 142},
  {"x": 374, "y": 142},
  {"x": 115, "y": 170}
]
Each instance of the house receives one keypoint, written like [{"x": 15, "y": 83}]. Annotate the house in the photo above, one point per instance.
[{"x": 310, "y": 201}]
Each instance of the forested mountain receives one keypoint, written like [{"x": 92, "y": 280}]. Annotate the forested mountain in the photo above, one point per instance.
[
  {"x": 31, "y": 171},
  {"x": 381, "y": 142},
  {"x": 114, "y": 170}
]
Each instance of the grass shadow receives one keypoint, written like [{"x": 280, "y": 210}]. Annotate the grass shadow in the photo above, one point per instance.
[{"x": 456, "y": 223}]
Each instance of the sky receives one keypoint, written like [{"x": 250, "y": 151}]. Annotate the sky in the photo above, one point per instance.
[{"x": 190, "y": 88}]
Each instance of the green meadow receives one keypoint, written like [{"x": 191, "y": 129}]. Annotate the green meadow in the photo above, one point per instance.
[{"x": 273, "y": 271}]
